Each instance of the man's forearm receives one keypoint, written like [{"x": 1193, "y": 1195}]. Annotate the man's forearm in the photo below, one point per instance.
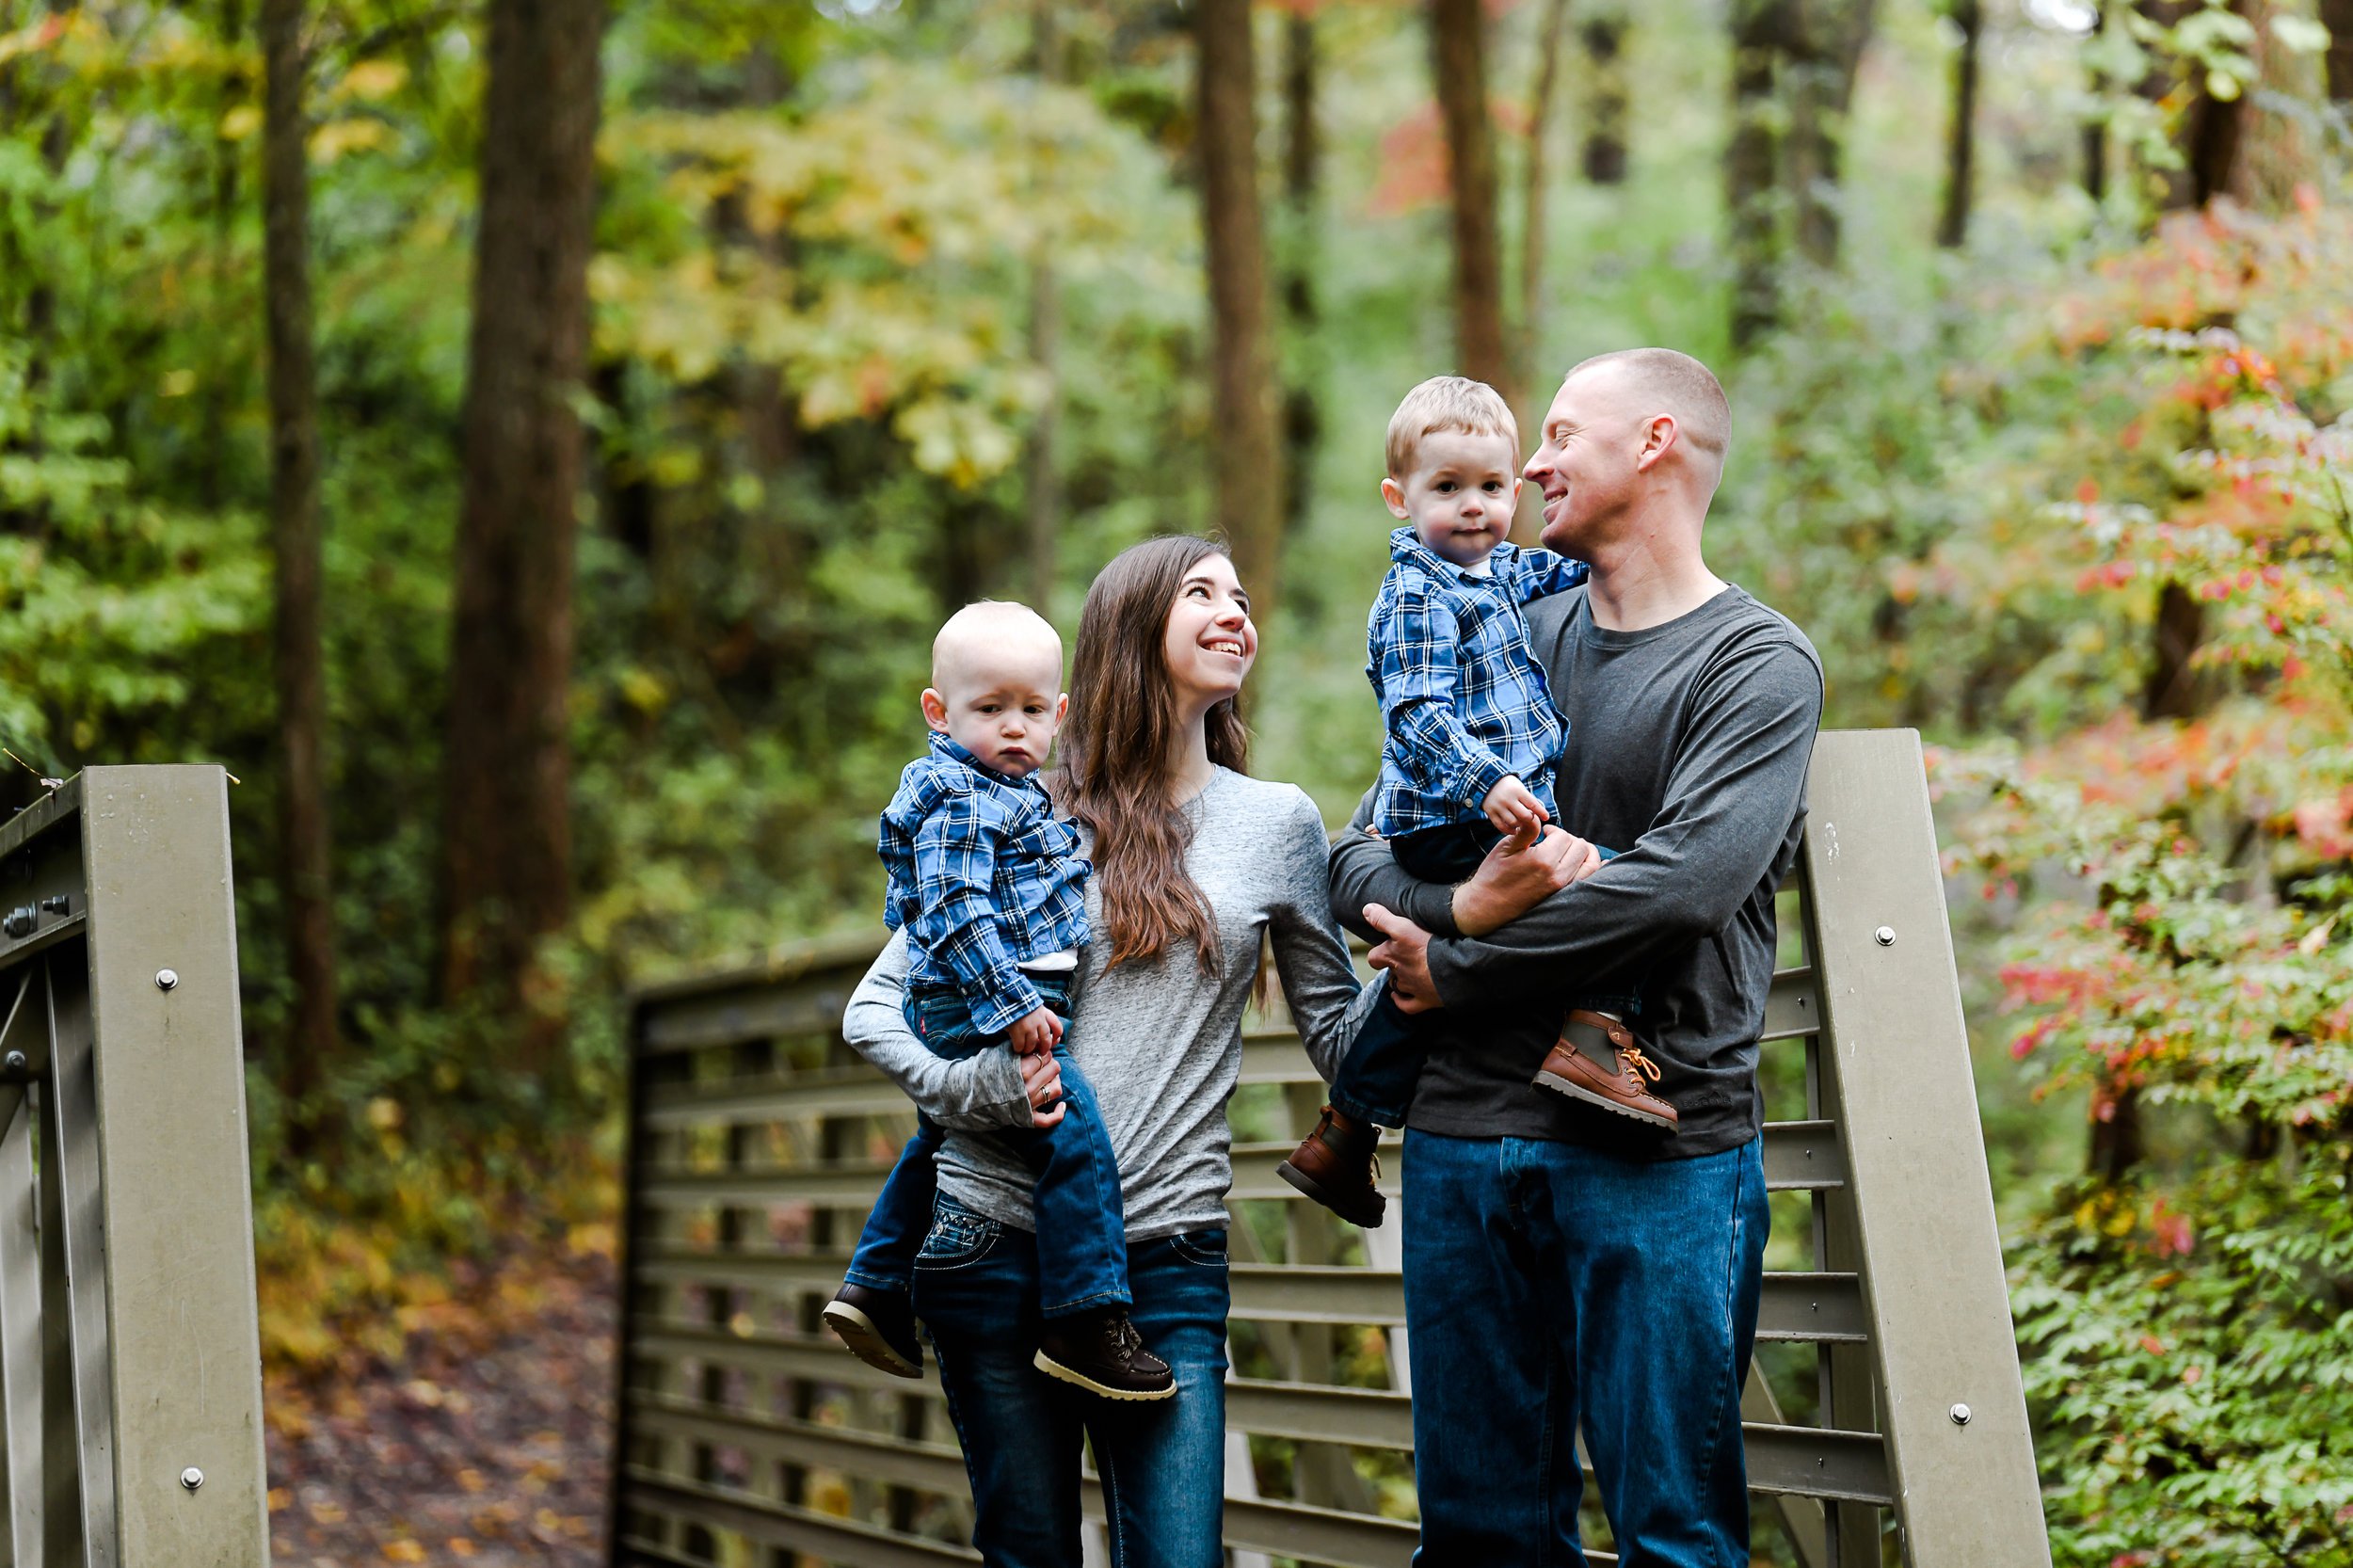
[
  {"x": 1725, "y": 818},
  {"x": 1363, "y": 870}
]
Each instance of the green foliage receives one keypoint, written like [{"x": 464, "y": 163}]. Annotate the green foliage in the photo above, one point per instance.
[{"x": 816, "y": 384}]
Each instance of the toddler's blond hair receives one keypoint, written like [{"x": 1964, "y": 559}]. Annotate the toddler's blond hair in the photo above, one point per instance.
[{"x": 1444, "y": 404}]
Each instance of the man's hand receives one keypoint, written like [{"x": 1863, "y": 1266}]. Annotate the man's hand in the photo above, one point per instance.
[
  {"x": 1404, "y": 951},
  {"x": 1518, "y": 874},
  {"x": 1513, "y": 808},
  {"x": 1036, "y": 1031},
  {"x": 1041, "y": 1079}
]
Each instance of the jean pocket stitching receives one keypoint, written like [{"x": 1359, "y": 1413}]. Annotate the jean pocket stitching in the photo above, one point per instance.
[
  {"x": 1207, "y": 1257},
  {"x": 954, "y": 1243}
]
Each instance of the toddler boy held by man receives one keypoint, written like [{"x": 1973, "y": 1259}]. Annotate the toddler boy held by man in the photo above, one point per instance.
[
  {"x": 991, "y": 890},
  {"x": 1473, "y": 740}
]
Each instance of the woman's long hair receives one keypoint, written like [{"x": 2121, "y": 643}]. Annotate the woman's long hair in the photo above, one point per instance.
[{"x": 1115, "y": 747}]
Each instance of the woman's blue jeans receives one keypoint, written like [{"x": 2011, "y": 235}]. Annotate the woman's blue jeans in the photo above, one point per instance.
[
  {"x": 1162, "y": 1463},
  {"x": 1076, "y": 1198},
  {"x": 1549, "y": 1287}
]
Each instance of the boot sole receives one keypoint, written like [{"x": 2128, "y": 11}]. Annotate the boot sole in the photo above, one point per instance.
[
  {"x": 1577, "y": 1090},
  {"x": 1356, "y": 1217},
  {"x": 857, "y": 1333},
  {"x": 1053, "y": 1369}
]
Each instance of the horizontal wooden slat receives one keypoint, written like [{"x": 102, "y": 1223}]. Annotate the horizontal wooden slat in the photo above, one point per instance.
[
  {"x": 875, "y": 1456},
  {"x": 1822, "y": 1308},
  {"x": 1813, "y": 1462},
  {"x": 1323, "y": 1535},
  {"x": 1792, "y": 1010},
  {"x": 817, "y": 1358},
  {"x": 731, "y": 1018},
  {"x": 773, "y": 1097},
  {"x": 842, "y": 956},
  {"x": 637, "y": 1552},
  {"x": 1804, "y": 1157},
  {"x": 1795, "y": 1306},
  {"x": 772, "y": 1523},
  {"x": 1371, "y": 1418},
  {"x": 1255, "y": 1524},
  {"x": 1799, "y": 1157}
]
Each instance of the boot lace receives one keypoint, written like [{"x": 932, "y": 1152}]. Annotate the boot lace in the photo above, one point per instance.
[{"x": 1632, "y": 1056}]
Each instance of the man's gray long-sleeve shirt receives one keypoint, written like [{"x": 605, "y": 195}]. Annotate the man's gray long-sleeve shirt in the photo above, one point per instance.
[{"x": 1688, "y": 747}]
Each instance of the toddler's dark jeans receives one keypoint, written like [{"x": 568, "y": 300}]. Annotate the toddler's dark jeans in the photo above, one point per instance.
[
  {"x": 1081, "y": 1227},
  {"x": 1383, "y": 1067}
]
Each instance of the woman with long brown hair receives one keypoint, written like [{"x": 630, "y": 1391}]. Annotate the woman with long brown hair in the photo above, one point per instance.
[{"x": 1197, "y": 866}]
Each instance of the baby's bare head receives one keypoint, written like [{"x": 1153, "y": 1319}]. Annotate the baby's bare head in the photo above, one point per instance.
[{"x": 996, "y": 684}]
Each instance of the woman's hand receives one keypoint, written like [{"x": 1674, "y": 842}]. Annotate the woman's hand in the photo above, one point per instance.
[
  {"x": 1041, "y": 1079},
  {"x": 1518, "y": 874},
  {"x": 1404, "y": 951}
]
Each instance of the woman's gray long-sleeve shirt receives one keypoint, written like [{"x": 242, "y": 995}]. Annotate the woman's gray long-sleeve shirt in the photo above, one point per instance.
[{"x": 1159, "y": 1041}]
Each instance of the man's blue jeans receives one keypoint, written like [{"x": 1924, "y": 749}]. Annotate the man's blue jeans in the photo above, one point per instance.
[
  {"x": 1085, "y": 1253},
  {"x": 1550, "y": 1285},
  {"x": 1162, "y": 1463}
]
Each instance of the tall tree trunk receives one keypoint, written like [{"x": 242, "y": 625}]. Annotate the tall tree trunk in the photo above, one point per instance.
[
  {"x": 1043, "y": 496},
  {"x": 1761, "y": 33},
  {"x": 1820, "y": 92},
  {"x": 777, "y": 640},
  {"x": 1458, "y": 62},
  {"x": 1245, "y": 452},
  {"x": 305, "y": 863},
  {"x": 2173, "y": 690},
  {"x": 1536, "y": 189},
  {"x": 2119, "y": 1143},
  {"x": 2337, "y": 16},
  {"x": 2209, "y": 131},
  {"x": 1303, "y": 148},
  {"x": 2214, "y": 132},
  {"x": 2095, "y": 147},
  {"x": 1606, "y": 97},
  {"x": 212, "y": 469},
  {"x": 507, "y": 835},
  {"x": 1961, "y": 158},
  {"x": 1042, "y": 500}
]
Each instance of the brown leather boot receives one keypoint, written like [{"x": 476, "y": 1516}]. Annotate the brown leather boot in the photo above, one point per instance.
[
  {"x": 1336, "y": 1165},
  {"x": 1574, "y": 1068}
]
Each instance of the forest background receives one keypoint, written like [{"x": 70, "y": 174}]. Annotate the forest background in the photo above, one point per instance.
[{"x": 531, "y": 444}]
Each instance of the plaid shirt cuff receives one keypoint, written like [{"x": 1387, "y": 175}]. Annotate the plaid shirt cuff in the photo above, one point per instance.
[
  {"x": 1479, "y": 775},
  {"x": 997, "y": 1011}
]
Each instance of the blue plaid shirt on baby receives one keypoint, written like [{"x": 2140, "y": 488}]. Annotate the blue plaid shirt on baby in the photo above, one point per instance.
[
  {"x": 1461, "y": 694},
  {"x": 983, "y": 877}
]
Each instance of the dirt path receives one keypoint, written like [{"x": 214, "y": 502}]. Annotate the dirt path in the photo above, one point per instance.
[{"x": 488, "y": 1447}]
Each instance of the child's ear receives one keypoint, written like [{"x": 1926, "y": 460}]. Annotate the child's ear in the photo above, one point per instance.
[
  {"x": 1395, "y": 495},
  {"x": 1061, "y": 707},
  {"x": 935, "y": 709}
]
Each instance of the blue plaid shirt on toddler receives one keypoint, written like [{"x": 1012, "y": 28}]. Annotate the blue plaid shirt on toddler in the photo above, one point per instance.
[
  {"x": 983, "y": 877},
  {"x": 1461, "y": 694}
]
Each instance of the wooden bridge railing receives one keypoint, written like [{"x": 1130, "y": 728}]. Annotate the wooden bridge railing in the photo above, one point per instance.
[
  {"x": 129, "y": 1355},
  {"x": 757, "y": 1140}
]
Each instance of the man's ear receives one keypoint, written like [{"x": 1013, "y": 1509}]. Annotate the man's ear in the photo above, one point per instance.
[
  {"x": 1658, "y": 438},
  {"x": 935, "y": 709},
  {"x": 1395, "y": 495}
]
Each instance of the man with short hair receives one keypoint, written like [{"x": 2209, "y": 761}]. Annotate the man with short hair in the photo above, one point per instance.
[{"x": 1566, "y": 1269}]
